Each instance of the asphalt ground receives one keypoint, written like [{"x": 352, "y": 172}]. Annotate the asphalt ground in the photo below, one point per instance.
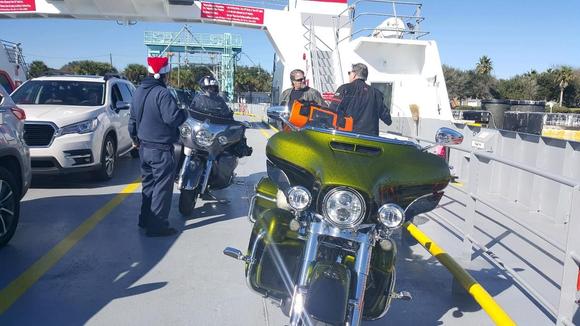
[{"x": 78, "y": 257}]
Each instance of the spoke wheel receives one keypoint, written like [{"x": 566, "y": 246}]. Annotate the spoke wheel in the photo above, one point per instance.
[{"x": 108, "y": 159}]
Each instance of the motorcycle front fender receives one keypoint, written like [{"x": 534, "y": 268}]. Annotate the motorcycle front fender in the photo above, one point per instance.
[
  {"x": 191, "y": 173},
  {"x": 328, "y": 292}
]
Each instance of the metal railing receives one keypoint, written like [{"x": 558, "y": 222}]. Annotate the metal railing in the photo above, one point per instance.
[
  {"x": 317, "y": 58},
  {"x": 14, "y": 52},
  {"x": 569, "y": 295},
  {"x": 253, "y": 110},
  {"x": 395, "y": 24}
]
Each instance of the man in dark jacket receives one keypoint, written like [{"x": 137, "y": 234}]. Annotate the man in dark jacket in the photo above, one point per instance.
[
  {"x": 299, "y": 91},
  {"x": 153, "y": 126},
  {"x": 208, "y": 100},
  {"x": 364, "y": 103}
]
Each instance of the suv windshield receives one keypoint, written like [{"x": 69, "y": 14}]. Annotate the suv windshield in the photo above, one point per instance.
[{"x": 60, "y": 92}]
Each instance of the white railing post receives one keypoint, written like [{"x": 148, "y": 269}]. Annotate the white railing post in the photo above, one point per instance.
[{"x": 568, "y": 305}]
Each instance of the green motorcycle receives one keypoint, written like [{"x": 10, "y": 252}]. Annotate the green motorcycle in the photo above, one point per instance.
[{"x": 321, "y": 243}]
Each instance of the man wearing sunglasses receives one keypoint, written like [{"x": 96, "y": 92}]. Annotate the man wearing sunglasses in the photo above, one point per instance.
[
  {"x": 299, "y": 91},
  {"x": 362, "y": 102}
]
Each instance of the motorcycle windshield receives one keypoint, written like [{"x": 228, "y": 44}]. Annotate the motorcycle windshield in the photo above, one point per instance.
[
  {"x": 384, "y": 170},
  {"x": 214, "y": 119}
]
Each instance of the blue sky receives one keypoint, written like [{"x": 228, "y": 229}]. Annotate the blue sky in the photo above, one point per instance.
[{"x": 517, "y": 35}]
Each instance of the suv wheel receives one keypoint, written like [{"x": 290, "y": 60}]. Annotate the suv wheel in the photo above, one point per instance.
[
  {"x": 108, "y": 159},
  {"x": 9, "y": 205}
]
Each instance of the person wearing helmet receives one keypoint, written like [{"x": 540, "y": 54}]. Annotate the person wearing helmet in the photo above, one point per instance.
[{"x": 208, "y": 100}]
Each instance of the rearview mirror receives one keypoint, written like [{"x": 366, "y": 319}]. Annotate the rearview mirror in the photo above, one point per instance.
[{"x": 121, "y": 105}]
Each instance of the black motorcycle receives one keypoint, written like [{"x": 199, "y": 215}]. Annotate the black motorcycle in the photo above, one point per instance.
[{"x": 212, "y": 146}]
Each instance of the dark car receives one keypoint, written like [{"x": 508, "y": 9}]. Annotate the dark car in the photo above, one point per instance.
[{"x": 15, "y": 173}]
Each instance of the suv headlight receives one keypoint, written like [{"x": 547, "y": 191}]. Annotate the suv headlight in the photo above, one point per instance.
[
  {"x": 82, "y": 127},
  {"x": 343, "y": 207},
  {"x": 299, "y": 198},
  {"x": 391, "y": 216}
]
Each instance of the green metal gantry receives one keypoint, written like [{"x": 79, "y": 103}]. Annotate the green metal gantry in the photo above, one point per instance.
[{"x": 227, "y": 45}]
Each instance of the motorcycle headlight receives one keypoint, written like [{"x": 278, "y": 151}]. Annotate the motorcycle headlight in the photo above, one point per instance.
[
  {"x": 203, "y": 138},
  {"x": 391, "y": 215},
  {"x": 82, "y": 127},
  {"x": 343, "y": 207},
  {"x": 299, "y": 198},
  {"x": 185, "y": 131},
  {"x": 223, "y": 140}
]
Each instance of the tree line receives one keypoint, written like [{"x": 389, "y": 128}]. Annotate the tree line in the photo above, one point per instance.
[
  {"x": 246, "y": 79},
  {"x": 560, "y": 84}
]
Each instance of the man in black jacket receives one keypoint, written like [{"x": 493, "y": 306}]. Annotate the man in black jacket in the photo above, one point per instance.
[
  {"x": 153, "y": 126},
  {"x": 362, "y": 102},
  {"x": 208, "y": 100}
]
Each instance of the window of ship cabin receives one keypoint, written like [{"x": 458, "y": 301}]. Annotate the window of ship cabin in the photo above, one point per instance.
[{"x": 387, "y": 90}]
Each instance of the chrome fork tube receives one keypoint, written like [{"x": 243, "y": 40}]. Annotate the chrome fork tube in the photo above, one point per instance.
[
  {"x": 208, "y": 166},
  {"x": 362, "y": 265},
  {"x": 310, "y": 251},
  {"x": 184, "y": 167}
]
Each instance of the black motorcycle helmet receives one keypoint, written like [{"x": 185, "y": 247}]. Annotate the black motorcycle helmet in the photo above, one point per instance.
[{"x": 209, "y": 84}]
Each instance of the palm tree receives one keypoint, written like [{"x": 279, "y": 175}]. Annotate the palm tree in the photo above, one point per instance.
[
  {"x": 564, "y": 76},
  {"x": 484, "y": 66}
]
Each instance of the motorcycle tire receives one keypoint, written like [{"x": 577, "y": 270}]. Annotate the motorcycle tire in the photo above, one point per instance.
[{"x": 187, "y": 200}]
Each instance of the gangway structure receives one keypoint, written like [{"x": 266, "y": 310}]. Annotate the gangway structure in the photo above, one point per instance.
[
  {"x": 13, "y": 66},
  {"x": 517, "y": 200},
  {"x": 227, "y": 46}
]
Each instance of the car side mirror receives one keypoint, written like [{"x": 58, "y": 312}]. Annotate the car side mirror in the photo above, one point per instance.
[
  {"x": 122, "y": 105},
  {"x": 447, "y": 136}
]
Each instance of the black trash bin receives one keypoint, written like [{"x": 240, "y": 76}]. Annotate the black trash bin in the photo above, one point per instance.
[{"x": 496, "y": 108}]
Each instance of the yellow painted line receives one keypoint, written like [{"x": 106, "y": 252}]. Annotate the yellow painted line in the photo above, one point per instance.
[
  {"x": 273, "y": 128},
  {"x": 457, "y": 183},
  {"x": 246, "y": 114},
  {"x": 494, "y": 311},
  {"x": 26, "y": 280},
  {"x": 267, "y": 135}
]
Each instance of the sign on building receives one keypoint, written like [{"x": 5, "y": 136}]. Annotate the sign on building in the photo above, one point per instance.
[{"x": 225, "y": 12}]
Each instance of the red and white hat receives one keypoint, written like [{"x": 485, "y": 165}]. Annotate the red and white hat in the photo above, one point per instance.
[{"x": 157, "y": 66}]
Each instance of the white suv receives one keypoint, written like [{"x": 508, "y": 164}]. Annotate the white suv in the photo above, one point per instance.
[{"x": 76, "y": 123}]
